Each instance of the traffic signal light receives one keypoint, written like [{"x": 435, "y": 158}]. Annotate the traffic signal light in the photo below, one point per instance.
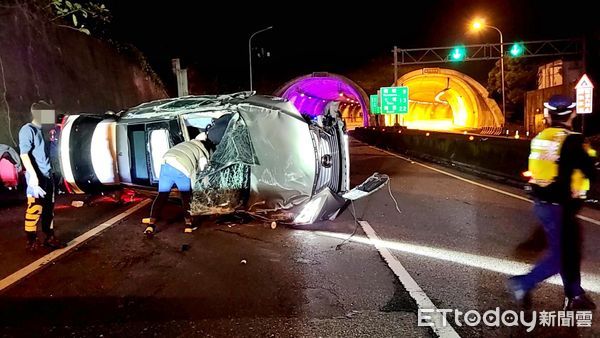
[
  {"x": 458, "y": 53},
  {"x": 516, "y": 50}
]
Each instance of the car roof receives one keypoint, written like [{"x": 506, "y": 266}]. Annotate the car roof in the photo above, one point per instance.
[
  {"x": 172, "y": 107},
  {"x": 166, "y": 109}
]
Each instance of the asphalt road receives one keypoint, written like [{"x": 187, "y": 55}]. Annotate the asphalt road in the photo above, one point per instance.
[{"x": 458, "y": 241}]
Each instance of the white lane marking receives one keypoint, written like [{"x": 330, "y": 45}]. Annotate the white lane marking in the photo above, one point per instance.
[
  {"x": 500, "y": 191},
  {"x": 589, "y": 281},
  {"x": 587, "y": 219},
  {"x": 415, "y": 291},
  {"x": 24, "y": 272},
  {"x": 455, "y": 176}
]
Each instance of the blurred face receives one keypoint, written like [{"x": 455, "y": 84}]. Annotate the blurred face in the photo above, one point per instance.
[
  {"x": 45, "y": 116},
  {"x": 36, "y": 115}
]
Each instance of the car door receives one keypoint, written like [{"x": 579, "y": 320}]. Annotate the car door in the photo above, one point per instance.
[{"x": 148, "y": 142}]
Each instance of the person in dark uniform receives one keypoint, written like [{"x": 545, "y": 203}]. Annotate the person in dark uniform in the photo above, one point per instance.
[{"x": 561, "y": 166}]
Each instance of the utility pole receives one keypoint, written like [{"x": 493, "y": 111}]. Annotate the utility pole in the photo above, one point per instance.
[
  {"x": 395, "y": 64},
  {"x": 182, "y": 79},
  {"x": 584, "y": 61}
]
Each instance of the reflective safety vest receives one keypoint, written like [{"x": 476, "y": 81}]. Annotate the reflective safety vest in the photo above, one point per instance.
[{"x": 543, "y": 161}]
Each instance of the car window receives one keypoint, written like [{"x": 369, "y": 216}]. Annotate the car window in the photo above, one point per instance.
[{"x": 199, "y": 122}]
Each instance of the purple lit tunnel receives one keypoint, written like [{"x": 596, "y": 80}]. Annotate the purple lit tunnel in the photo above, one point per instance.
[{"x": 312, "y": 93}]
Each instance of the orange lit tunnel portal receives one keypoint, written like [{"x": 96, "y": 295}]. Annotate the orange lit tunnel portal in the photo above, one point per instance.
[{"x": 444, "y": 99}]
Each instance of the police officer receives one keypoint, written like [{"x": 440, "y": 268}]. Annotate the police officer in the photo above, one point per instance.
[{"x": 561, "y": 165}]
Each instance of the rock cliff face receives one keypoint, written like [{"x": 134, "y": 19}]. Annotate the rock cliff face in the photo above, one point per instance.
[{"x": 75, "y": 72}]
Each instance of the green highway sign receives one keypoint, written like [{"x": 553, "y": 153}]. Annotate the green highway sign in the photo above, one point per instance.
[
  {"x": 394, "y": 100},
  {"x": 375, "y": 108}
]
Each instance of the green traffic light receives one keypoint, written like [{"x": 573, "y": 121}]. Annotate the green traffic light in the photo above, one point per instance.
[
  {"x": 517, "y": 50},
  {"x": 458, "y": 53}
]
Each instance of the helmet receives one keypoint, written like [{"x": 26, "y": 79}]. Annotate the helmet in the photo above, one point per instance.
[{"x": 560, "y": 105}]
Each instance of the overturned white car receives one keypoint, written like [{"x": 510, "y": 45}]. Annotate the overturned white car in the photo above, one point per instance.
[{"x": 271, "y": 161}]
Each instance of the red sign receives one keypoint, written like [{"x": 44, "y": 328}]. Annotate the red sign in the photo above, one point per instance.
[{"x": 585, "y": 93}]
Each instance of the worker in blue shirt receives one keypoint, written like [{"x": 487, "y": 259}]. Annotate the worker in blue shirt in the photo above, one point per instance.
[{"x": 34, "y": 153}]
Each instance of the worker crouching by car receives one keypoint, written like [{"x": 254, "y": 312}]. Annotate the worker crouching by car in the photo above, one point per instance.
[{"x": 180, "y": 165}]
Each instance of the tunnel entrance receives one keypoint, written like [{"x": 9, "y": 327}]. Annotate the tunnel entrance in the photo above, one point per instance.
[
  {"x": 444, "y": 99},
  {"x": 314, "y": 93}
]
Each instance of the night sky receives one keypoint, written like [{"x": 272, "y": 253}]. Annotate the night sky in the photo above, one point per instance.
[{"x": 212, "y": 40}]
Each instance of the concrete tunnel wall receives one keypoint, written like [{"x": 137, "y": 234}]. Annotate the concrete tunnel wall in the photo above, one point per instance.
[{"x": 313, "y": 93}]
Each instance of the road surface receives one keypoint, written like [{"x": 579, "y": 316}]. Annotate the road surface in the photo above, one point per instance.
[{"x": 451, "y": 245}]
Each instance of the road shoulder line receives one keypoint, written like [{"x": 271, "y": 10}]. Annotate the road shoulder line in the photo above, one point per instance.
[{"x": 54, "y": 255}]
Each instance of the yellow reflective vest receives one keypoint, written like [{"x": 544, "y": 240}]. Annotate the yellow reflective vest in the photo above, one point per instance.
[{"x": 543, "y": 161}]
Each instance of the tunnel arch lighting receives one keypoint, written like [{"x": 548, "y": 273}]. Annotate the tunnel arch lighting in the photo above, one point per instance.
[
  {"x": 312, "y": 94},
  {"x": 445, "y": 99}
]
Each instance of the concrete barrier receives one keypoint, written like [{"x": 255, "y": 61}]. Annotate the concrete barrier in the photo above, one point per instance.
[{"x": 499, "y": 157}]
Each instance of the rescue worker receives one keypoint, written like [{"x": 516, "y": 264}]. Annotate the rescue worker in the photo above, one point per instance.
[
  {"x": 34, "y": 153},
  {"x": 560, "y": 167},
  {"x": 180, "y": 165}
]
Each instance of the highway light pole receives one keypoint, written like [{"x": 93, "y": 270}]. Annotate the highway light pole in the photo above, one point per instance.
[
  {"x": 478, "y": 25},
  {"x": 250, "y": 51}
]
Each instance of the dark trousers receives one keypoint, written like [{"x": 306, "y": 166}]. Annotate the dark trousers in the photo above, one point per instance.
[
  {"x": 41, "y": 210},
  {"x": 161, "y": 199},
  {"x": 564, "y": 247},
  {"x": 571, "y": 240}
]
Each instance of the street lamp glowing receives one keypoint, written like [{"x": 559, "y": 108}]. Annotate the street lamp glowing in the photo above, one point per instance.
[{"x": 478, "y": 24}]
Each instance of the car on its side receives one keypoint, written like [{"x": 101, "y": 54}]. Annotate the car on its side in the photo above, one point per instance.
[{"x": 271, "y": 161}]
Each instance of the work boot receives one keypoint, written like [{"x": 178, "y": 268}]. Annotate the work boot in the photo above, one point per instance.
[
  {"x": 32, "y": 246},
  {"x": 32, "y": 242},
  {"x": 53, "y": 243},
  {"x": 577, "y": 303},
  {"x": 189, "y": 227},
  {"x": 151, "y": 228},
  {"x": 521, "y": 295}
]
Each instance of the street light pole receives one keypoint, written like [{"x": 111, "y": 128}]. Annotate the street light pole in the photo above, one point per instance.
[
  {"x": 501, "y": 69},
  {"x": 250, "y": 51}
]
